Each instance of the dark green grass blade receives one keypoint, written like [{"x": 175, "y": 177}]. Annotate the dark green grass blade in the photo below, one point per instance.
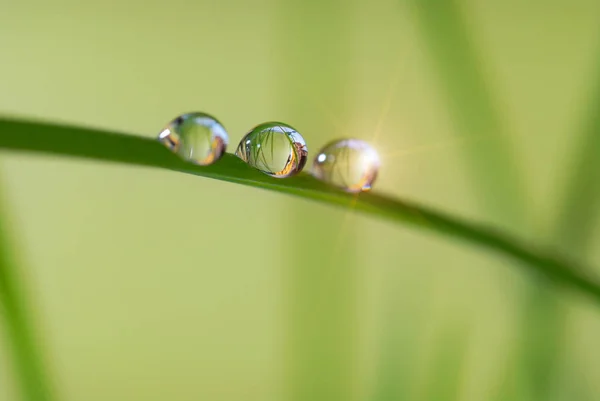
[
  {"x": 16, "y": 322},
  {"x": 109, "y": 146}
]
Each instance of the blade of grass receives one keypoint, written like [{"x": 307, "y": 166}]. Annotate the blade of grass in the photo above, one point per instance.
[
  {"x": 462, "y": 80},
  {"x": 542, "y": 350},
  {"x": 28, "y": 367},
  {"x": 321, "y": 286},
  {"x": 457, "y": 64},
  {"x": 580, "y": 208},
  {"x": 447, "y": 364},
  {"x": 94, "y": 144},
  {"x": 397, "y": 349}
]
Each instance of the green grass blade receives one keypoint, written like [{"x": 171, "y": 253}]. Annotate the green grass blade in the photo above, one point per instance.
[
  {"x": 446, "y": 366},
  {"x": 580, "y": 205},
  {"x": 542, "y": 355},
  {"x": 321, "y": 288},
  {"x": 398, "y": 351},
  {"x": 538, "y": 349},
  {"x": 581, "y": 200},
  {"x": 28, "y": 367},
  {"x": 457, "y": 65},
  {"x": 109, "y": 146},
  {"x": 490, "y": 165}
]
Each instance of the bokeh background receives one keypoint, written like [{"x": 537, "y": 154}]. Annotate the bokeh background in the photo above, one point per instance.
[{"x": 152, "y": 285}]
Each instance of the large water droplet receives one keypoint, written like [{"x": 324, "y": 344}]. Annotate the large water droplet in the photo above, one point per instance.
[
  {"x": 350, "y": 164},
  {"x": 196, "y": 137},
  {"x": 275, "y": 149}
]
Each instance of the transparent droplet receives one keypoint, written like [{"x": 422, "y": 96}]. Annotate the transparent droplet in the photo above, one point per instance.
[
  {"x": 350, "y": 164},
  {"x": 275, "y": 149},
  {"x": 196, "y": 137}
]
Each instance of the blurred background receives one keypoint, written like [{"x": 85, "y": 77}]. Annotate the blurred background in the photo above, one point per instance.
[{"x": 146, "y": 284}]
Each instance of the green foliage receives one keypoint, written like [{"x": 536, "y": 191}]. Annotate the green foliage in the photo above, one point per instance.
[
  {"x": 30, "y": 373},
  {"x": 472, "y": 106},
  {"x": 109, "y": 146},
  {"x": 316, "y": 338}
]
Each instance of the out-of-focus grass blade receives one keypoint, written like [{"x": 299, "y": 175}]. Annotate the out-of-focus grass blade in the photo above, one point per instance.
[
  {"x": 92, "y": 144},
  {"x": 457, "y": 64},
  {"x": 28, "y": 367},
  {"x": 320, "y": 287},
  {"x": 541, "y": 346},
  {"x": 580, "y": 205},
  {"x": 572, "y": 234},
  {"x": 444, "y": 378},
  {"x": 397, "y": 349}
]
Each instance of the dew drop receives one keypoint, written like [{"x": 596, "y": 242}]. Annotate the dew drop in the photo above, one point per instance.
[
  {"x": 350, "y": 164},
  {"x": 275, "y": 149},
  {"x": 196, "y": 137}
]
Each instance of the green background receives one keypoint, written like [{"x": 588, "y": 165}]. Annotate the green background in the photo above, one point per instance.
[{"x": 152, "y": 285}]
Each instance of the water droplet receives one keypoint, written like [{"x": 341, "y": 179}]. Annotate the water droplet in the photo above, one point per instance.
[
  {"x": 275, "y": 149},
  {"x": 350, "y": 164},
  {"x": 196, "y": 137}
]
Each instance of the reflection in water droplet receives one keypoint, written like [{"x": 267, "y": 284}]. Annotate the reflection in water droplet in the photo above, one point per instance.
[
  {"x": 350, "y": 164},
  {"x": 196, "y": 137},
  {"x": 275, "y": 149}
]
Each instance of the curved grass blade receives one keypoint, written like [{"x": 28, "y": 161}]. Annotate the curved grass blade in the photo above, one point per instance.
[
  {"x": 30, "y": 373},
  {"x": 95, "y": 144}
]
